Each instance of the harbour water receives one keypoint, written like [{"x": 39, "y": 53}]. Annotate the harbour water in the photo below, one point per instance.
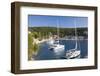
[{"x": 46, "y": 54}]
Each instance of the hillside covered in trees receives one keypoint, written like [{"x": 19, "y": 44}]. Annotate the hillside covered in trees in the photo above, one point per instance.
[
  {"x": 37, "y": 35},
  {"x": 45, "y": 31}
]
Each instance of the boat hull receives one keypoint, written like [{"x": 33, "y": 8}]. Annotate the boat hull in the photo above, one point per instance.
[{"x": 73, "y": 54}]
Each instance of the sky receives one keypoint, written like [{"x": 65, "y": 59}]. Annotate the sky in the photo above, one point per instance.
[{"x": 52, "y": 21}]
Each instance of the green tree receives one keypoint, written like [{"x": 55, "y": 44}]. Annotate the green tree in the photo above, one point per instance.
[
  {"x": 30, "y": 45},
  {"x": 35, "y": 35}
]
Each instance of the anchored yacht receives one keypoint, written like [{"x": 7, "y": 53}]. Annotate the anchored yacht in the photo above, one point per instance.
[
  {"x": 74, "y": 53},
  {"x": 57, "y": 47}
]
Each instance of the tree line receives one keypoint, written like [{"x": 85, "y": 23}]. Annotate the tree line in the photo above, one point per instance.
[{"x": 39, "y": 32}]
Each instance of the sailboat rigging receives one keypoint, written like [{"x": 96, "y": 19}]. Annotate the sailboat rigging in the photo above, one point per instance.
[
  {"x": 50, "y": 42},
  {"x": 74, "y": 53},
  {"x": 57, "y": 47}
]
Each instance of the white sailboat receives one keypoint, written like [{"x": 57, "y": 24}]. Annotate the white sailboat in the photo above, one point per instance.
[
  {"x": 74, "y": 53},
  {"x": 57, "y": 47}
]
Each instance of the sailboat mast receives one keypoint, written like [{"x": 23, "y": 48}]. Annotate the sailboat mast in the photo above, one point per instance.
[
  {"x": 58, "y": 29},
  {"x": 75, "y": 33}
]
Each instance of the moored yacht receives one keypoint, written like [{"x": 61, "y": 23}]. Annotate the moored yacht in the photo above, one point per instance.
[
  {"x": 57, "y": 47},
  {"x": 74, "y": 53}
]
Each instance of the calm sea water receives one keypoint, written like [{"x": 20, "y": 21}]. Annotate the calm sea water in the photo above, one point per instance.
[{"x": 47, "y": 54}]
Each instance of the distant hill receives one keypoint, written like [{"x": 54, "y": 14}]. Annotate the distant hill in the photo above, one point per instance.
[{"x": 62, "y": 31}]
